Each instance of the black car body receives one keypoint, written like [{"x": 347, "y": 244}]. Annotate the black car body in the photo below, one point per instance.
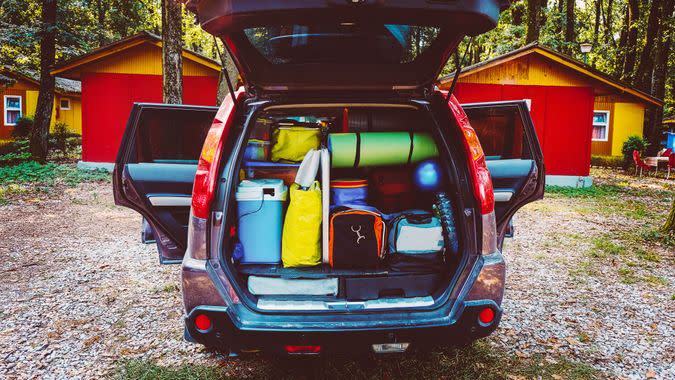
[{"x": 292, "y": 58}]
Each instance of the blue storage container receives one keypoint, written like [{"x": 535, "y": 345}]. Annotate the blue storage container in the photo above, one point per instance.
[
  {"x": 260, "y": 215},
  {"x": 671, "y": 140}
]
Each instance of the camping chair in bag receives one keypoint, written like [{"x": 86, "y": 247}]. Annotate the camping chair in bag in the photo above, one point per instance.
[{"x": 639, "y": 163}]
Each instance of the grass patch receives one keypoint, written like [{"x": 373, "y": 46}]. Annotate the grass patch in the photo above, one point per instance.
[
  {"x": 628, "y": 276},
  {"x": 48, "y": 174},
  {"x": 594, "y": 191},
  {"x": 656, "y": 280},
  {"x": 10, "y": 190},
  {"x": 146, "y": 370},
  {"x": 645, "y": 255},
  {"x": 478, "y": 361},
  {"x": 604, "y": 247},
  {"x": 583, "y": 269},
  {"x": 655, "y": 236}
]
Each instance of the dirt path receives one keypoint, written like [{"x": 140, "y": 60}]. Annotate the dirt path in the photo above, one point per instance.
[{"x": 80, "y": 292}]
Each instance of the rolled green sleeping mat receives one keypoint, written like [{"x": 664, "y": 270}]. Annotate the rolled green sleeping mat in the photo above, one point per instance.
[{"x": 380, "y": 148}]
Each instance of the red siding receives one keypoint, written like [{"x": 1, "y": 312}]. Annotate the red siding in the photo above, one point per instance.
[
  {"x": 562, "y": 117},
  {"x": 107, "y": 101}
]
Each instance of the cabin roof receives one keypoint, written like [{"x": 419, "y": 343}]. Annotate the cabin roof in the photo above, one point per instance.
[
  {"x": 562, "y": 59},
  {"x": 122, "y": 45}
]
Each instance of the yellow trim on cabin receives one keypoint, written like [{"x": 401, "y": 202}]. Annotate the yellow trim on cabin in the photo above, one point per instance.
[
  {"x": 97, "y": 56},
  {"x": 565, "y": 62},
  {"x": 194, "y": 57},
  {"x": 582, "y": 70},
  {"x": 134, "y": 57},
  {"x": 143, "y": 59}
]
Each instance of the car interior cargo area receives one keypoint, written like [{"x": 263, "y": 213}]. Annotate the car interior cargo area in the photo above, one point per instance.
[{"x": 342, "y": 207}]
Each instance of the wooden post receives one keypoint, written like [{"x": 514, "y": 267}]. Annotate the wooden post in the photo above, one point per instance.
[{"x": 172, "y": 50}]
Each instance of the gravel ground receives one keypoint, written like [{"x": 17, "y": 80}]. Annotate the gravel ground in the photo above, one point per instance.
[{"x": 81, "y": 292}]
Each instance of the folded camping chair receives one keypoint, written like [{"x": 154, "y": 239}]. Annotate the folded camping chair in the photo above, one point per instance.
[
  {"x": 639, "y": 163},
  {"x": 671, "y": 164}
]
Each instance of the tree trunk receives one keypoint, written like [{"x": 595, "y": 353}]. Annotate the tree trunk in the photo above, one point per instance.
[
  {"x": 659, "y": 75},
  {"x": 39, "y": 146},
  {"x": 669, "y": 226},
  {"x": 559, "y": 24},
  {"x": 533, "y": 20},
  {"x": 596, "y": 27},
  {"x": 609, "y": 23},
  {"x": 172, "y": 50},
  {"x": 100, "y": 15},
  {"x": 643, "y": 74},
  {"x": 630, "y": 48},
  {"x": 569, "y": 27}
]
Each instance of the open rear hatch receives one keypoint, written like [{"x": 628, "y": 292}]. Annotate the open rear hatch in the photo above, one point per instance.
[
  {"x": 374, "y": 45},
  {"x": 352, "y": 264}
]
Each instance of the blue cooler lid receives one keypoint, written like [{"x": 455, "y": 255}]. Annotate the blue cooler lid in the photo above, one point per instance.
[{"x": 254, "y": 189}]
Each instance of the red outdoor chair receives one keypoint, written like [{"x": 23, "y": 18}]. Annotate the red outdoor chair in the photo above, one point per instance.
[
  {"x": 639, "y": 163},
  {"x": 667, "y": 152},
  {"x": 671, "y": 164}
]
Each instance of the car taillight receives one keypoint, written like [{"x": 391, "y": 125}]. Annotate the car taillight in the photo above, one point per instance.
[
  {"x": 482, "y": 182},
  {"x": 486, "y": 316},
  {"x": 209, "y": 161},
  {"x": 202, "y": 322}
]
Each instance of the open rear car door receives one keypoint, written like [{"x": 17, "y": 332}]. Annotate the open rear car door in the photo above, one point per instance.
[
  {"x": 513, "y": 156},
  {"x": 156, "y": 166}
]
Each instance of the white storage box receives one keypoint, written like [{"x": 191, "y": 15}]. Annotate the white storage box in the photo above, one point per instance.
[{"x": 275, "y": 286}]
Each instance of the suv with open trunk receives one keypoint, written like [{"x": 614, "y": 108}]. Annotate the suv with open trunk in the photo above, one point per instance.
[{"x": 412, "y": 258}]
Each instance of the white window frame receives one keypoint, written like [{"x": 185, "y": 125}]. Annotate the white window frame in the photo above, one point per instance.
[
  {"x": 5, "y": 108},
  {"x": 605, "y": 124},
  {"x": 64, "y": 108}
]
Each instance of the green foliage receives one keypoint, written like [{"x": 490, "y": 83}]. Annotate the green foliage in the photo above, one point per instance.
[
  {"x": 60, "y": 135},
  {"x": 23, "y": 127},
  {"x": 631, "y": 144},
  {"x": 84, "y": 25},
  {"x": 15, "y": 152},
  {"x": 48, "y": 174},
  {"x": 594, "y": 191},
  {"x": 656, "y": 236},
  {"x": 607, "y": 161}
]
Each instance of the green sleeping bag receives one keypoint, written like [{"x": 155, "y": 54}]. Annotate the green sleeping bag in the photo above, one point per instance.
[{"x": 380, "y": 148}]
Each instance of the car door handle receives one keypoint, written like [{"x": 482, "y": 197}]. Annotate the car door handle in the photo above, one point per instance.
[
  {"x": 170, "y": 200},
  {"x": 503, "y": 195}
]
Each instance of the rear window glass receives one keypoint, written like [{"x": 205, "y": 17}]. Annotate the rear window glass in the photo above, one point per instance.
[
  {"x": 500, "y": 131},
  {"x": 342, "y": 43},
  {"x": 172, "y": 136}
]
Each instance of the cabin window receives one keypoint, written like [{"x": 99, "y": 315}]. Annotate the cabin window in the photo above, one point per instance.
[
  {"x": 64, "y": 104},
  {"x": 12, "y": 109},
  {"x": 600, "y": 125}
]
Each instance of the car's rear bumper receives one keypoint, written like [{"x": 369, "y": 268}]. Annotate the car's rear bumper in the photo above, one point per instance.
[
  {"x": 237, "y": 327},
  {"x": 340, "y": 335}
]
